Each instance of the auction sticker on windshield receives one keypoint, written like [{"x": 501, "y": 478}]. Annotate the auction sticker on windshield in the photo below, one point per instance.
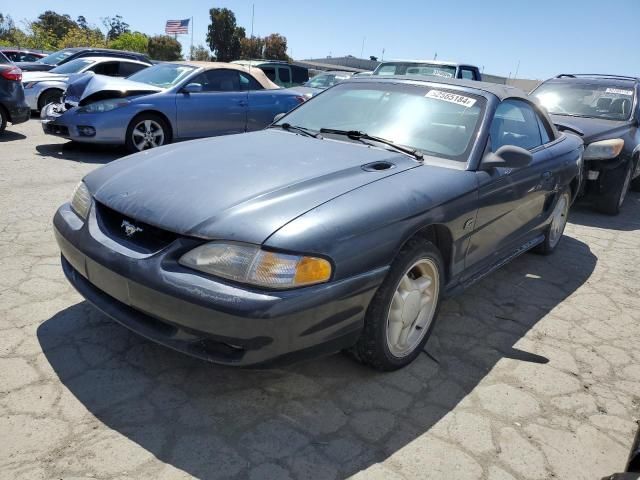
[
  {"x": 619, "y": 91},
  {"x": 451, "y": 97}
]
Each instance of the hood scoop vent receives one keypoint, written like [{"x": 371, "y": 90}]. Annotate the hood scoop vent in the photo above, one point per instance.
[{"x": 378, "y": 166}]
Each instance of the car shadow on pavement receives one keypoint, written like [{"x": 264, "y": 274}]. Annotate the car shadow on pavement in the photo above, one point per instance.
[
  {"x": 78, "y": 152},
  {"x": 325, "y": 418},
  {"x": 626, "y": 220},
  {"x": 9, "y": 136}
]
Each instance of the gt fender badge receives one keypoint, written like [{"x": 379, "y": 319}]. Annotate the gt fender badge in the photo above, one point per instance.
[{"x": 129, "y": 228}]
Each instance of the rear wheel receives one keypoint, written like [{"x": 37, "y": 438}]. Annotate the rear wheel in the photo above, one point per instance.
[
  {"x": 554, "y": 232},
  {"x": 49, "y": 96},
  {"x": 3, "y": 119},
  {"x": 635, "y": 183},
  {"x": 147, "y": 131},
  {"x": 402, "y": 313},
  {"x": 615, "y": 186}
]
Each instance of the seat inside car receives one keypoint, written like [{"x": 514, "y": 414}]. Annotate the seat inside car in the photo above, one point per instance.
[
  {"x": 620, "y": 106},
  {"x": 604, "y": 103}
]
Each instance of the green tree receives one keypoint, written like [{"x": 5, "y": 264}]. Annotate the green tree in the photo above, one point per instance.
[
  {"x": 224, "y": 35},
  {"x": 79, "y": 37},
  {"x": 164, "y": 47},
  {"x": 200, "y": 53},
  {"x": 7, "y": 28},
  {"x": 131, "y": 41},
  {"x": 115, "y": 26},
  {"x": 54, "y": 24},
  {"x": 251, "y": 47},
  {"x": 275, "y": 47}
]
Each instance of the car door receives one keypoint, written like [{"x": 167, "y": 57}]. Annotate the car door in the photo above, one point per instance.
[
  {"x": 219, "y": 109},
  {"x": 510, "y": 201}
]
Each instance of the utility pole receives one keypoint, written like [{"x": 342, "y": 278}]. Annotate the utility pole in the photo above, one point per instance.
[
  {"x": 382, "y": 58},
  {"x": 435, "y": 57},
  {"x": 517, "y": 68},
  {"x": 362, "y": 51}
]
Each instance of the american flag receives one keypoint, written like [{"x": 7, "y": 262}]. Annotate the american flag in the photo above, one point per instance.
[{"x": 176, "y": 27}]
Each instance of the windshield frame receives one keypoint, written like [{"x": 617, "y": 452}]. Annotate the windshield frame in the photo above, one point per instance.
[
  {"x": 178, "y": 82},
  {"x": 87, "y": 63},
  {"x": 464, "y": 159},
  {"x": 593, "y": 85}
]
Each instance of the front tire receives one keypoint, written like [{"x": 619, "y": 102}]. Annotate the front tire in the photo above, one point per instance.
[
  {"x": 3, "y": 119},
  {"x": 615, "y": 185},
  {"x": 555, "y": 230},
  {"x": 402, "y": 313},
  {"x": 49, "y": 96},
  {"x": 146, "y": 131}
]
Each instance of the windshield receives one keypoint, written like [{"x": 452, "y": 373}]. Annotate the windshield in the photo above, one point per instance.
[
  {"x": 325, "y": 80},
  {"x": 412, "y": 68},
  {"x": 165, "y": 75},
  {"x": 435, "y": 121},
  {"x": 74, "y": 66},
  {"x": 587, "y": 100},
  {"x": 56, "y": 58}
]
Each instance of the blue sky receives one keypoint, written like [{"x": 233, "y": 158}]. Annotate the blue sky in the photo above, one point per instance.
[{"x": 546, "y": 36}]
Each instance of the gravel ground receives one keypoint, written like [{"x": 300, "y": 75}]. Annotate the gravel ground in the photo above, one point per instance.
[{"x": 534, "y": 374}]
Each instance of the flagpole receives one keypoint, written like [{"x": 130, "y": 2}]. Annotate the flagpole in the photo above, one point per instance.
[{"x": 191, "y": 49}]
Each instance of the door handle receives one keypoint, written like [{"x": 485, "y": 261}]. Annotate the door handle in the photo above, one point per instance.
[
  {"x": 547, "y": 175},
  {"x": 242, "y": 103}
]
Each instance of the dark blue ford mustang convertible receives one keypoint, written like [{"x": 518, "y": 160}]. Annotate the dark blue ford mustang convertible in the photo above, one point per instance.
[{"x": 340, "y": 227}]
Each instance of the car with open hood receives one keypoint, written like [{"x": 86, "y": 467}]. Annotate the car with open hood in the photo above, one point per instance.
[
  {"x": 341, "y": 226},
  {"x": 165, "y": 103},
  {"x": 43, "y": 88},
  {"x": 604, "y": 111}
]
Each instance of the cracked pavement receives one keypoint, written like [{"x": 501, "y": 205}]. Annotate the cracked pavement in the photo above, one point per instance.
[{"x": 534, "y": 374}]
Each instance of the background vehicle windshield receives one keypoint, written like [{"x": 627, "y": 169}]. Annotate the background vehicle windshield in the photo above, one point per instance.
[
  {"x": 435, "y": 121},
  {"x": 56, "y": 58},
  {"x": 74, "y": 66},
  {"x": 408, "y": 68},
  {"x": 164, "y": 75},
  {"x": 325, "y": 80},
  {"x": 587, "y": 100}
]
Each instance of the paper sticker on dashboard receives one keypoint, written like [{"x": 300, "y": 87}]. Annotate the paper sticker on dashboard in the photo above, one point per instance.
[
  {"x": 619, "y": 91},
  {"x": 451, "y": 97}
]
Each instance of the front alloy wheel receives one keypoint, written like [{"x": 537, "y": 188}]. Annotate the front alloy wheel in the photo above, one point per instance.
[
  {"x": 147, "y": 134},
  {"x": 402, "y": 313},
  {"x": 556, "y": 227}
]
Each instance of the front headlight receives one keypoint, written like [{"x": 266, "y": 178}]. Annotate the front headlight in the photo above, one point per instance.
[
  {"x": 250, "y": 264},
  {"x": 81, "y": 200},
  {"x": 604, "y": 149},
  {"x": 30, "y": 84},
  {"x": 103, "y": 106}
]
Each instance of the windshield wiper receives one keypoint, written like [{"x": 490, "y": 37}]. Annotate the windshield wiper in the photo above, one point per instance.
[
  {"x": 295, "y": 128},
  {"x": 358, "y": 135}
]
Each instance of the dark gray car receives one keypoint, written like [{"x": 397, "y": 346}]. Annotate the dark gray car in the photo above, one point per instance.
[
  {"x": 13, "y": 107},
  {"x": 340, "y": 227}
]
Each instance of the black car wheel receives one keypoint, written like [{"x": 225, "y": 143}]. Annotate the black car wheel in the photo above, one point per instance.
[
  {"x": 635, "y": 183},
  {"x": 3, "y": 119},
  {"x": 555, "y": 230},
  {"x": 146, "y": 131},
  {"x": 615, "y": 185},
  {"x": 402, "y": 313},
  {"x": 49, "y": 96}
]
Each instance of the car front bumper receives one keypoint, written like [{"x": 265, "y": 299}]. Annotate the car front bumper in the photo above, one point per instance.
[
  {"x": 110, "y": 127},
  {"x": 202, "y": 316}
]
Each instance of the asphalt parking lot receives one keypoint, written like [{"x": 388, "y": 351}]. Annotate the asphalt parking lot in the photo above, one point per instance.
[{"x": 533, "y": 373}]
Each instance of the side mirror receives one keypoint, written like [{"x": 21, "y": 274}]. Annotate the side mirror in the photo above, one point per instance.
[
  {"x": 507, "y": 156},
  {"x": 192, "y": 88},
  {"x": 278, "y": 117}
]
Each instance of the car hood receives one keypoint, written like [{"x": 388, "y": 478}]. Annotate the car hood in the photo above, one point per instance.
[
  {"x": 591, "y": 129},
  {"x": 239, "y": 187},
  {"x": 43, "y": 77},
  {"x": 88, "y": 88}
]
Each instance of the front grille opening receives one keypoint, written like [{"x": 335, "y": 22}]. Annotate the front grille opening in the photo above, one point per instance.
[{"x": 138, "y": 236}]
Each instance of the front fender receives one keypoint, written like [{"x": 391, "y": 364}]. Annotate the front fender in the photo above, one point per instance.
[{"x": 365, "y": 228}]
